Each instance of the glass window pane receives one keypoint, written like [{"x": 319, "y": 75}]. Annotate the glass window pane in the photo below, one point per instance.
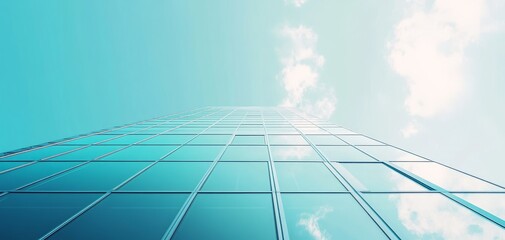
[
  {"x": 249, "y": 140},
  {"x": 251, "y": 131},
  {"x": 306, "y": 177},
  {"x": 340, "y": 131},
  {"x": 287, "y": 140},
  {"x": 145, "y": 153},
  {"x": 327, "y": 216},
  {"x": 211, "y": 139},
  {"x": 344, "y": 153},
  {"x": 126, "y": 216},
  {"x": 229, "y": 216},
  {"x": 494, "y": 203},
  {"x": 359, "y": 140},
  {"x": 169, "y": 139},
  {"x": 387, "y": 153},
  {"x": 89, "y": 153},
  {"x": 8, "y": 165},
  {"x": 93, "y": 176},
  {"x": 219, "y": 130},
  {"x": 287, "y": 130},
  {"x": 325, "y": 140},
  {"x": 127, "y": 139},
  {"x": 195, "y": 153},
  {"x": 22, "y": 176},
  {"x": 186, "y": 130},
  {"x": 32, "y": 215},
  {"x": 246, "y": 153},
  {"x": 169, "y": 176},
  {"x": 40, "y": 153},
  {"x": 379, "y": 177},
  {"x": 294, "y": 153},
  {"x": 90, "y": 139},
  {"x": 431, "y": 216},
  {"x": 312, "y": 130},
  {"x": 239, "y": 176},
  {"x": 447, "y": 178}
]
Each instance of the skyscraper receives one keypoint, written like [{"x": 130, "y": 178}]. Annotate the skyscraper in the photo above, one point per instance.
[{"x": 239, "y": 173}]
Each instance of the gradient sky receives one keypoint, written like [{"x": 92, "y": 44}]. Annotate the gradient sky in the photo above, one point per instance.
[{"x": 423, "y": 75}]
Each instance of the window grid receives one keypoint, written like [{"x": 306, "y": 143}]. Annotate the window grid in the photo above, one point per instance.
[{"x": 215, "y": 121}]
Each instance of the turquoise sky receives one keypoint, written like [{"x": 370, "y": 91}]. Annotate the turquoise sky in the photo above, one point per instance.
[{"x": 69, "y": 67}]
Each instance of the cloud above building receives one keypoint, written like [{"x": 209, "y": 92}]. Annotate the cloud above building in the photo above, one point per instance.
[
  {"x": 428, "y": 50},
  {"x": 300, "y": 73}
]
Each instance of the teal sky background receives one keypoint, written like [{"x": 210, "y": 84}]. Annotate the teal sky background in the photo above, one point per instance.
[{"x": 70, "y": 67}]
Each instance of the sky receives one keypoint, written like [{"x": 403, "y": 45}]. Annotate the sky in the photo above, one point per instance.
[{"x": 422, "y": 75}]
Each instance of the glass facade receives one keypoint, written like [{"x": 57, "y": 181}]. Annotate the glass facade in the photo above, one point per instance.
[{"x": 239, "y": 173}]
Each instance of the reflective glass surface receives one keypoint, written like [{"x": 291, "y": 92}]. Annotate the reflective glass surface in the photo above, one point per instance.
[
  {"x": 387, "y": 153},
  {"x": 249, "y": 140},
  {"x": 307, "y": 177},
  {"x": 40, "y": 153},
  {"x": 90, "y": 139},
  {"x": 494, "y": 203},
  {"x": 140, "y": 153},
  {"x": 8, "y": 165},
  {"x": 169, "y": 139},
  {"x": 125, "y": 216},
  {"x": 325, "y": 140},
  {"x": 379, "y": 177},
  {"x": 127, "y": 139},
  {"x": 359, "y": 140},
  {"x": 431, "y": 216},
  {"x": 195, "y": 153},
  {"x": 287, "y": 140},
  {"x": 28, "y": 174},
  {"x": 229, "y": 216},
  {"x": 211, "y": 139},
  {"x": 31, "y": 216},
  {"x": 88, "y": 153},
  {"x": 246, "y": 153},
  {"x": 169, "y": 176},
  {"x": 237, "y": 176},
  {"x": 327, "y": 216},
  {"x": 447, "y": 178},
  {"x": 294, "y": 153},
  {"x": 94, "y": 176},
  {"x": 344, "y": 153}
]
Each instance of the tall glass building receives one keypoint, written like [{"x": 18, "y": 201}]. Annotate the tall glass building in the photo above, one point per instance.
[{"x": 239, "y": 173}]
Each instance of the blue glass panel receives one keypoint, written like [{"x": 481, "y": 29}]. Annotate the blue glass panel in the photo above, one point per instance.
[
  {"x": 88, "y": 153},
  {"x": 306, "y": 177},
  {"x": 251, "y": 131},
  {"x": 127, "y": 139},
  {"x": 447, "y": 178},
  {"x": 185, "y": 130},
  {"x": 141, "y": 153},
  {"x": 93, "y": 176},
  {"x": 239, "y": 176},
  {"x": 328, "y": 216},
  {"x": 344, "y": 153},
  {"x": 30, "y": 216},
  {"x": 220, "y": 130},
  {"x": 125, "y": 216},
  {"x": 196, "y": 153},
  {"x": 325, "y": 140},
  {"x": 229, "y": 216},
  {"x": 169, "y": 176},
  {"x": 246, "y": 153},
  {"x": 169, "y": 139},
  {"x": 494, "y": 203},
  {"x": 211, "y": 139},
  {"x": 90, "y": 139},
  {"x": 8, "y": 165},
  {"x": 379, "y": 177},
  {"x": 387, "y": 153},
  {"x": 28, "y": 174},
  {"x": 40, "y": 153},
  {"x": 287, "y": 140},
  {"x": 294, "y": 153},
  {"x": 359, "y": 140},
  {"x": 431, "y": 216},
  {"x": 249, "y": 140}
]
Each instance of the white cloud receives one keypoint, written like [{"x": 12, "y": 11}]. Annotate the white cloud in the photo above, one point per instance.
[
  {"x": 410, "y": 130},
  {"x": 428, "y": 50},
  {"x": 296, "y": 3},
  {"x": 311, "y": 222},
  {"x": 300, "y": 74}
]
